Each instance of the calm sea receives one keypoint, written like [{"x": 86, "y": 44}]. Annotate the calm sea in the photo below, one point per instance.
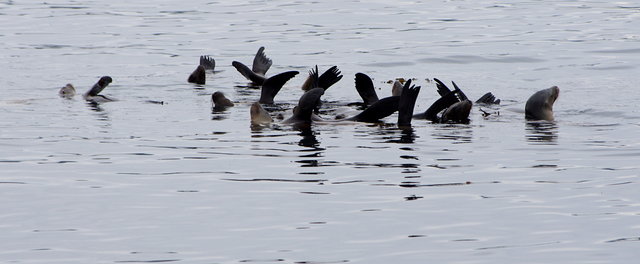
[{"x": 158, "y": 176}]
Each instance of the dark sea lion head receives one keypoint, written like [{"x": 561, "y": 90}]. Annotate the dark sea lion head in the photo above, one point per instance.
[
  {"x": 198, "y": 76},
  {"x": 308, "y": 102},
  {"x": 540, "y": 104},
  {"x": 219, "y": 100},
  {"x": 458, "y": 112}
]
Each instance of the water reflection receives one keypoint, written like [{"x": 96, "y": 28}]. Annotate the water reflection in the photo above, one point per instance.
[
  {"x": 309, "y": 138},
  {"x": 100, "y": 113},
  {"x": 459, "y": 133},
  {"x": 542, "y": 132},
  {"x": 407, "y": 136},
  {"x": 219, "y": 112}
]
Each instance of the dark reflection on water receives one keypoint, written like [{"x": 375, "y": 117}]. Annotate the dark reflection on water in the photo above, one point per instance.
[
  {"x": 459, "y": 133},
  {"x": 219, "y": 113},
  {"x": 407, "y": 136},
  {"x": 94, "y": 106},
  {"x": 309, "y": 138},
  {"x": 542, "y": 132},
  {"x": 412, "y": 184}
]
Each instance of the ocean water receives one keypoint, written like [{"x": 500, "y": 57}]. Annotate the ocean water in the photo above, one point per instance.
[{"x": 159, "y": 176}]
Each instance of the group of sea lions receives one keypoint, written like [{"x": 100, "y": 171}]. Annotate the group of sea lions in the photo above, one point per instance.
[{"x": 453, "y": 106}]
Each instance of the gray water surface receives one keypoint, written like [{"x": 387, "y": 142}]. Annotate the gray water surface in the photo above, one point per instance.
[{"x": 134, "y": 181}]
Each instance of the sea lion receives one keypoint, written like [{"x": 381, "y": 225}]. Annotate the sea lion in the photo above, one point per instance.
[
  {"x": 540, "y": 104},
  {"x": 220, "y": 101},
  {"x": 307, "y": 103},
  {"x": 302, "y": 113},
  {"x": 93, "y": 94},
  {"x": 380, "y": 108},
  {"x": 67, "y": 92},
  {"x": 198, "y": 76},
  {"x": 310, "y": 100},
  {"x": 455, "y": 104},
  {"x": 388, "y": 105},
  {"x": 259, "y": 116},
  {"x": 396, "y": 89}
]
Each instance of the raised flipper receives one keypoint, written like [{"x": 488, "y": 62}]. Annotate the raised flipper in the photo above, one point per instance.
[
  {"x": 378, "y": 110},
  {"x": 208, "y": 63},
  {"x": 261, "y": 63},
  {"x": 306, "y": 105},
  {"x": 272, "y": 86},
  {"x": 365, "y": 88},
  {"x": 407, "y": 103},
  {"x": 248, "y": 73},
  {"x": 442, "y": 88},
  {"x": 198, "y": 76},
  {"x": 461, "y": 95},
  {"x": 312, "y": 80},
  {"x": 442, "y": 103},
  {"x": 99, "y": 86},
  {"x": 329, "y": 77},
  {"x": 488, "y": 98}
]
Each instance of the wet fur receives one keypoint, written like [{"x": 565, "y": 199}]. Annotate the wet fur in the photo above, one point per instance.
[{"x": 540, "y": 104}]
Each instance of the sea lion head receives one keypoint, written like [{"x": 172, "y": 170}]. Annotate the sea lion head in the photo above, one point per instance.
[
  {"x": 458, "y": 112},
  {"x": 396, "y": 89},
  {"x": 68, "y": 91},
  {"x": 219, "y": 100},
  {"x": 540, "y": 104},
  {"x": 259, "y": 116},
  {"x": 198, "y": 75}
]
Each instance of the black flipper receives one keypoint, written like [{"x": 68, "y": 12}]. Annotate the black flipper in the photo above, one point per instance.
[
  {"x": 442, "y": 103},
  {"x": 314, "y": 78},
  {"x": 461, "y": 95},
  {"x": 261, "y": 63},
  {"x": 378, "y": 110},
  {"x": 488, "y": 98},
  {"x": 442, "y": 88},
  {"x": 198, "y": 76},
  {"x": 207, "y": 62},
  {"x": 407, "y": 103},
  {"x": 99, "y": 86},
  {"x": 248, "y": 73},
  {"x": 329, "y": 77},
  {"x": 273, "y": 84},
  {"x": 365, "y": 88}
]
